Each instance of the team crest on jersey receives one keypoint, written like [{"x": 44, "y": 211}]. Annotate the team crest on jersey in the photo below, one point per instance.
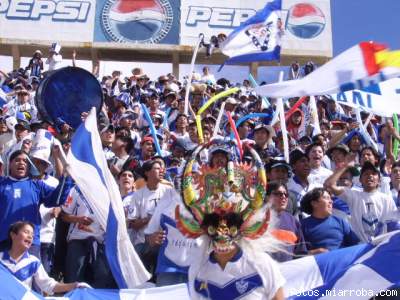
[
  {"x": 241, "y": 286},
  {"x": 17, "y": 193},
  {"x": 139, "y": 21}
]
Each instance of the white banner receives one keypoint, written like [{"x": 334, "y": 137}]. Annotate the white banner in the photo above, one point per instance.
[
  {"x": 308, "y": 29},
  {"x": 212, "y": 17},
  {"x": 69, "y": 20},
  {"x": 386, "y": 104}
]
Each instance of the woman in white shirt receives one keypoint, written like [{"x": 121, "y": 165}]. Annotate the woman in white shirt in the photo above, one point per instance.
[{"x": 26, "y": 267}]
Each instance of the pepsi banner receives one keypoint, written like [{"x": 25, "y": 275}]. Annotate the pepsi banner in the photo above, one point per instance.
[
  {"x": 307, "y": 24},
  {"x": 139, "y": 21},
  {"x": 47, "y": 20},
  {"x": 308, "y": 28}
]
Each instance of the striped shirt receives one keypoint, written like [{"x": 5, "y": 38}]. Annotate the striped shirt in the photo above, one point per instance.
[{"x": 27, "y": 269}]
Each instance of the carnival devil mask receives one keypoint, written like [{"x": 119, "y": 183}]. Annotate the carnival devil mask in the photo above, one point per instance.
[{"x": 224, "y": 201}]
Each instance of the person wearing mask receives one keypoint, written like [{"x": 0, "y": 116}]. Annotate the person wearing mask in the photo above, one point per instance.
[{"x": 323, "y": 231}]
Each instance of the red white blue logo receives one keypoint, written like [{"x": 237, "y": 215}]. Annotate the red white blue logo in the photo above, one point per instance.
[
  {"x": 305, "y": 21},
  {"x": 137, "y": 21}
]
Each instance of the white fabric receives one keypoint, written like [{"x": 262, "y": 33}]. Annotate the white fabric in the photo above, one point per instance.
[
  {"x": 100, "y": 189},
  {"x": 31, "y": 266},
  {"x": 318, "y": 176},
  {"x": 77, "y": 205},
  {"x": 346, "y": 68},
  {"x": 48, "y": 224},
  {"x": 143, "y": 203},
  {"x": 237, "y": 272},
  {"x": 370, "y": 206}
]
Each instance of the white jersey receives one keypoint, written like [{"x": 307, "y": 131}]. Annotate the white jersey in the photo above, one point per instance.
[
  {"x": 27, "y": 269},
  {"x": 77, "y": 205},
  {"x": 243, "y": 278},
  {"x": 177, "y": 252},
  {"x": 48, "y": 225},
  {"x": 318, "y": 176},
  {"x": 143, "y": 203},
  {"x": 368, "y": 211}
]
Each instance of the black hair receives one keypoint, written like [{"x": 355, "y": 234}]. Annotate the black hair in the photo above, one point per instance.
[
  {"x": 126, "y": 170},
  {"x": 315, "y": 144},
  {"x": 15, "y": 228},
  {"x": 147, "y": 166},
  {"x": 374, "y": 152},
  {"x": 313, "y": 195},
  {"x": 274, "y": 185},
  {"x": 128, "y": 142},
  {"x": 16, "y": 154},
  {"x": 396, "y": 164},
  {"x": 213, "y": 219}
]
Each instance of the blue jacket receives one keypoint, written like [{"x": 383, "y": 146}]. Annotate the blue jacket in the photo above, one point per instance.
[{"x": 20, "y": 201}]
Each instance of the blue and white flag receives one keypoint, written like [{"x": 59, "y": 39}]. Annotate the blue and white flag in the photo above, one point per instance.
[
  {"x": 357, "y": 272},
  {"x": 13, "y": 289},
  {"x": 87, "y": 165},
  {"x": 257, "y": 39}
]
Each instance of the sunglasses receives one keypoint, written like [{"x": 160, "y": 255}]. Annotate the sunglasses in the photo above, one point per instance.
[{"x": 280, "y": 194}]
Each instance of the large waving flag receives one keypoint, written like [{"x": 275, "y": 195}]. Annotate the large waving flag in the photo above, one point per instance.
[
  {"x": 357, "y": 272},
  {"x": 257, "y": 39},
  {"x": 87, "y": 165},
  {"x": 361, "y": 66}
]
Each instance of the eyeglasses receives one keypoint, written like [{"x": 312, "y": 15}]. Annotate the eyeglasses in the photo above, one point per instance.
[{"x": 280, "y": 194}]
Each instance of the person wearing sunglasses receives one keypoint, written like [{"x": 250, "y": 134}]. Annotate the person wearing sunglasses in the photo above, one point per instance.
[
  {"x": 288, "y": 226},
  {"x": 323, "y": 231}
]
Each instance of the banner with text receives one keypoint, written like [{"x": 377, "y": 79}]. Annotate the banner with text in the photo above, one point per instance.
[
  {"x": 308, "y": 28},
  {"x": 384, "y": 104},
  {"x": 48, "y": 20}
]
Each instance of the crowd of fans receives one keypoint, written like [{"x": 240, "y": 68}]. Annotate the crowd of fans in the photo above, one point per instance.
[{"x": 335, "y": 191}]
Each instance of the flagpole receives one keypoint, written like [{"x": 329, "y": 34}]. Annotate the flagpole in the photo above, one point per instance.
[
  {"x": 281, "y": 111},
  {"x": 189, "y": 81}
]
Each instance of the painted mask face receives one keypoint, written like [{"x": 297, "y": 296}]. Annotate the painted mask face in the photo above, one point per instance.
[{"x": 223, "y": 230}]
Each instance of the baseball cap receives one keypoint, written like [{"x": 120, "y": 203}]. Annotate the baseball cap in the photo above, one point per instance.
[
  {"x": 340, "y": 147},
  {"x": 146, "y": 139},
  {"x": 369, "y": 166},
  {"x": 106, "y": 128}
]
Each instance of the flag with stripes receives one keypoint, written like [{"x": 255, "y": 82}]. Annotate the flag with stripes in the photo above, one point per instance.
[{"x": 87, "y": 165}]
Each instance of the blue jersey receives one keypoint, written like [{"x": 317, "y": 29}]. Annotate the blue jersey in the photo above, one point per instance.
[
  {"x": 330, "y": 233},
  {"x": 20, "y": 201}
]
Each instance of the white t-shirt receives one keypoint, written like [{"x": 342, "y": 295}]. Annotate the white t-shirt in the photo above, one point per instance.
[
  {"x": 48, "y": 225},
  {"x": 77, "y": 205},
  {"x": 54, "y": 62},
  {"x": 318, "y": 176},
  {"x": 177, "y": 252},
  {"x": 244, "y": 277},
  {"x": 368, "y": 211},
  {"x": 143, "y": 203}
]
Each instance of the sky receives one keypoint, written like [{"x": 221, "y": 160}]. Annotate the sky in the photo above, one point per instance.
[{"x": 353, "y": 21}]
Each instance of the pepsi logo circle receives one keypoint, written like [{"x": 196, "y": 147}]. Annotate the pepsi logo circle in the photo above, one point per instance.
[
  {"x": 138, "y": 21},
  {"x": 305, "y": 21}
]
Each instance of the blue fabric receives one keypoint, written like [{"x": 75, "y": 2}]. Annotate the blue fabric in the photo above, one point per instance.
[
  {"x": 329, "y": 233},
  {"x": 165, "y": 265},
  {"x": 20, "y": 200},
  {"x": 234, "y": 289},
  {"x": 259, "y": 17}
]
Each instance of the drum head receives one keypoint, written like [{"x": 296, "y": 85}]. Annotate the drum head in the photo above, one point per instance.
[{"x": 66, "y": 93}]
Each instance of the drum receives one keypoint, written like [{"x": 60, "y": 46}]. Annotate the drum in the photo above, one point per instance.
[{"x": 65, "y": 93}]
